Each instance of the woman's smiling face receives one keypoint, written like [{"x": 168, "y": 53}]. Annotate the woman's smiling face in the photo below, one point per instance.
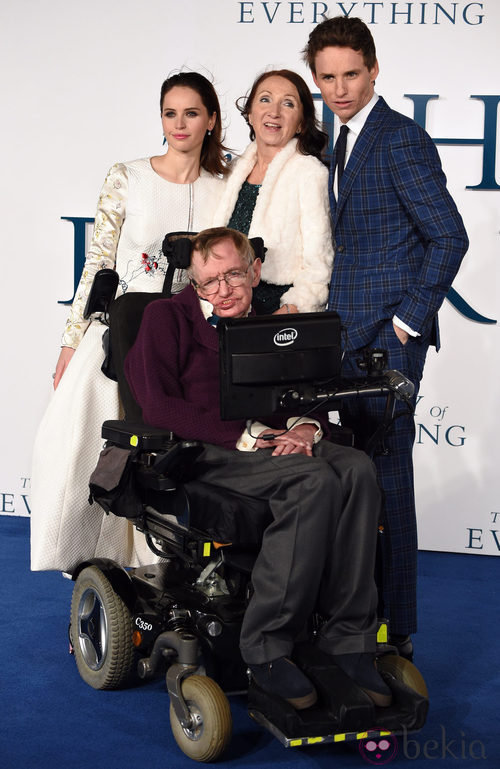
[
  {"x": 185, "y": 119},
  {"x": 276, "y": 112}
]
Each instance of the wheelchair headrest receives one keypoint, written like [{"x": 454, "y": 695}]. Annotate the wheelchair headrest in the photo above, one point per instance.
[
  {"x": 259, "y": 248},
  {"x": 177, "y": 247}
]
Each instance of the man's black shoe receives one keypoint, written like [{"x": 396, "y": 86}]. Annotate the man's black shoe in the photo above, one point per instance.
[
  {"x": 361, "y": 668},
  {"x": 284, "y": 679},
  {"x": 404, "y": 645}
]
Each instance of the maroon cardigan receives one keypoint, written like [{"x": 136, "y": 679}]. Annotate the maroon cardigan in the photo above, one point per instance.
[{"x": 173, "y": 372}]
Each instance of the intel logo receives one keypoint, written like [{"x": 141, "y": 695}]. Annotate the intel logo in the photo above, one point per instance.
[{"x": 285, "y": 336}]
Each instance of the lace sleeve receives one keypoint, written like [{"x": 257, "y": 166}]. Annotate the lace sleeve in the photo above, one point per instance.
[{"x": 102, "y": 252}]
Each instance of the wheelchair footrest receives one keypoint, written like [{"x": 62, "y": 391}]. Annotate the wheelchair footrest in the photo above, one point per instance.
[
  {"x": 343, "y": 711},
  {"x": 315, "y": 738}
]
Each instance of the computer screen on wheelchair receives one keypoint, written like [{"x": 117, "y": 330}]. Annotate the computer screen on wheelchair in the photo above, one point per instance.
[{"x": 264, "y": 360}]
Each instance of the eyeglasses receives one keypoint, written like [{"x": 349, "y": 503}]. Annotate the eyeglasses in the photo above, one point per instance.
[{"x": 232, "y": 278}]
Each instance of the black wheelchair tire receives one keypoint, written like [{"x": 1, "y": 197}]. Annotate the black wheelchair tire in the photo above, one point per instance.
[
  {"x": 209, "y": 705},
  {"x": 404, "y": 671},
  {"x": 101, "y": 632}
]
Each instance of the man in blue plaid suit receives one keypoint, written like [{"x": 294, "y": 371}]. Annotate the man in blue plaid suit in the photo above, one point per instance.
[{"x": 399, "y": 241}]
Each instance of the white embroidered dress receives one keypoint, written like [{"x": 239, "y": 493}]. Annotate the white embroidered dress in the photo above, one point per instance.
[{"x": 135, "y": 211}]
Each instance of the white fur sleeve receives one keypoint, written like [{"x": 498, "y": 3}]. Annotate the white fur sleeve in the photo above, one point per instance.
[{"x": 310, "y": 288}]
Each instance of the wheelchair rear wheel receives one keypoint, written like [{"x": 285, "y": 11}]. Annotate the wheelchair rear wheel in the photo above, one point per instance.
[
  {"x": 101, "y": 631},
  {"x": 404, "y": 671},
  {"x": 211, "y": 731}
]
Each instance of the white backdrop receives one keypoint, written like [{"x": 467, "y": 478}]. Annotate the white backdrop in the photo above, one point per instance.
[{"x": 80, "y": 91}]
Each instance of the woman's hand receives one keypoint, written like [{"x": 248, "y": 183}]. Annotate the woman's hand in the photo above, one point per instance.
[
  {"x": 62, "y": 364},
  {"x": 285, "y": 309},
  {"x": 298, "y": 440}
]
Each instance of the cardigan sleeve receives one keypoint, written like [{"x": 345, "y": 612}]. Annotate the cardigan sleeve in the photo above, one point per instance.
[
  {"x": 175, "y": 380},
  {"x": 111, "y": 209}
]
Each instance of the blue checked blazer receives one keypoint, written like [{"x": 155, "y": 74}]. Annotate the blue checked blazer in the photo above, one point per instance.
[{"x": 398, "y": 236}]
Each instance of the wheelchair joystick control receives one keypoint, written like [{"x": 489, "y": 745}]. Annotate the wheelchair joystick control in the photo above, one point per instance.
[{"x": 402, "y": 387}]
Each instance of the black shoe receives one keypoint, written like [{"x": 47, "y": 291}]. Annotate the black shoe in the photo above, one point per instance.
[
  {"x": 403, "y": 644},
  {"x": 284, "y": 679},
  {"x": 361, "y": 668}
]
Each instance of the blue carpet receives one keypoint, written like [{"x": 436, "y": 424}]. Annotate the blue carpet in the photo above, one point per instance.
[{"x": 50, "y": 718}]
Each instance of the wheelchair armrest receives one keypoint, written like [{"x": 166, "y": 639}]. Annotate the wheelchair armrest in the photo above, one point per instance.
[
  {"x": 102, "y": 292},
  {"x": 137, "y": 435},
  {"x": 174, "y": 456}
]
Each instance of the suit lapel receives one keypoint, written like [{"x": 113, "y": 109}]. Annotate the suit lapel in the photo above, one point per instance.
[{"x": 360, "y": 152}]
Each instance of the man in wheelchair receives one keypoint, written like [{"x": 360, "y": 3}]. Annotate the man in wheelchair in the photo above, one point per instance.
[{"x": 318, "y": 551}]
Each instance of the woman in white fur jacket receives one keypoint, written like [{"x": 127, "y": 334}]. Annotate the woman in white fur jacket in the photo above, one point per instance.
[{"x": 278, "y": 190}]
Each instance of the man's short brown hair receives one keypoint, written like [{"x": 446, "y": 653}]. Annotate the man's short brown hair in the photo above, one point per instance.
[
  {"x": 343, "y": 32},
  {"x": 205, "y": 241}
]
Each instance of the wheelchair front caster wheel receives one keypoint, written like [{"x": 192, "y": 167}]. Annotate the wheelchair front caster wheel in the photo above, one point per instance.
[
  {"x": 210, "y": 733},
  {"x": 101, "y": 632},
  {"x": 404, "y": 671}
]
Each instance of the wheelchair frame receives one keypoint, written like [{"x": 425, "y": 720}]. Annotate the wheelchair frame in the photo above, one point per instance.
[{"x": 182, "y": 617}]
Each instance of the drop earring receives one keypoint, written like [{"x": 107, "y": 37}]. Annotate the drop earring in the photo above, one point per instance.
[
  {"x": 209, "y": 132},
  {"x": 164, "y": 140}
]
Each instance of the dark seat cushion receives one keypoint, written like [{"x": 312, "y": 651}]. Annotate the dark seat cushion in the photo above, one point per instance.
[{"x": 219, "y": 514}]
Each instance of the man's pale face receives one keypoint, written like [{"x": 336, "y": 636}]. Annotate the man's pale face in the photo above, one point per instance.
[
  {"x": 228, "y": 301},
  {"x": 345, "y": 82}
]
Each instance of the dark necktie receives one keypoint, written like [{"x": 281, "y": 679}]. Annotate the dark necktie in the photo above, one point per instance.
[{"x": 340, "y": 148}]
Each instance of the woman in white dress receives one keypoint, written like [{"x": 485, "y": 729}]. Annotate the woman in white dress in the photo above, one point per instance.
[{"x": 139, "y": 203}]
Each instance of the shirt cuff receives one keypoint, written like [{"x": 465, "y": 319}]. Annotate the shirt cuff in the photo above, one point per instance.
[
  {"x": 246, "y": 442},
  {"x": 400, "y": 324},
  {"x": 294, "y": 421}
]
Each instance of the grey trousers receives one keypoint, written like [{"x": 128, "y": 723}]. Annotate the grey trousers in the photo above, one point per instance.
[{"x": 318, "y": 553}]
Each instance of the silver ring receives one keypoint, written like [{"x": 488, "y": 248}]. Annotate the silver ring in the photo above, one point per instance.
[{"x": 54, "y": 375}]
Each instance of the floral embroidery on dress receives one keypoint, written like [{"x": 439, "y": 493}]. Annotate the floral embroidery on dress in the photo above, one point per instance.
[{"x": 149, "y": 265}]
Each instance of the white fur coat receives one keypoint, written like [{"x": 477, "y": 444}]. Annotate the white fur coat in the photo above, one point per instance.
[{"x": 292, "y": 215}]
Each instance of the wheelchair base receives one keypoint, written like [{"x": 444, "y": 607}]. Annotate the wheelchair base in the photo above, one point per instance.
[{"x": 174, "y": 620}]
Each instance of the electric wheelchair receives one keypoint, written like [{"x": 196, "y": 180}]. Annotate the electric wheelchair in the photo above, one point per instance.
[{"x": 181, "y": 616}]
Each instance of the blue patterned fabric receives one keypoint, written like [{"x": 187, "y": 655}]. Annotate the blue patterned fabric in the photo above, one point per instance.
[
  {"x": 399, "y": 237},
  {"x": 399, "y": 242}
]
